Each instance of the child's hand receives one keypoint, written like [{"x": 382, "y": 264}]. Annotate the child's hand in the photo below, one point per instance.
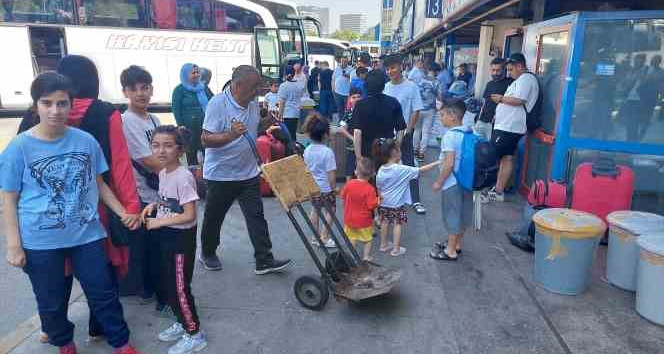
[
  {"x": 16, "y": 256},
  {"x": 131, "y": 221},
  {"x": 437, "y": 186},
  {"x": 149, "y": 209},
  {"x": 152, "y": 223}
]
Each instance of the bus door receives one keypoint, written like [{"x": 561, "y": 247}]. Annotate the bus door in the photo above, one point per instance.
[
  {"x": 268, "y": 53},
  {"x": 17, "y": 67}
]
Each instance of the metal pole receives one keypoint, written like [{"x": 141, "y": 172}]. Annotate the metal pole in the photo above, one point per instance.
[
  {"x": 305, "y": 216},
  {"x": 307, "y": 245},
  {"x": 343, "y": 234},
  {"x": 349, "y": 260}
]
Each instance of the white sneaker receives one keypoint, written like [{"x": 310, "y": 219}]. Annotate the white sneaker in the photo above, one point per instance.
[
  {"x": 189, "y": 344},
  {"x": 492, "y": 196},
  {"x": 172, "y": 333},
  {"x": 330, "y": 244}
]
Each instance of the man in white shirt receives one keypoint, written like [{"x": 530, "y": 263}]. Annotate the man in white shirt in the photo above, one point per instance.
[
  {"x": 230, "y": 129},
  {"x": 408, "y": 95},
  {"x": 510, "y": 125}
]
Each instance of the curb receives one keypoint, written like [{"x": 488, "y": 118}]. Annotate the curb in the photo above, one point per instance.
[{"x": 26, "y": 329}]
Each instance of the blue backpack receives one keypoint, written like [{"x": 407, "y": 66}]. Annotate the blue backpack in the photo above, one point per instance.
[{"x": 478, "y": 168}]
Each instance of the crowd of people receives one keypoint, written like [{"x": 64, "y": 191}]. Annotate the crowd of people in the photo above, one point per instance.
[{"x": 102, "y": 195}]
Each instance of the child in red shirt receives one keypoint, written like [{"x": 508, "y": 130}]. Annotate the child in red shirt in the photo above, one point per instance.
[{"x": 360, "y": 200}]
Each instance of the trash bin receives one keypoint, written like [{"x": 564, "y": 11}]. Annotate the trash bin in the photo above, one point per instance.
[
  {"x": 565, "y": 244},
  {"x": 650, "y": 278},
  {"x": 623, "y": 253}
]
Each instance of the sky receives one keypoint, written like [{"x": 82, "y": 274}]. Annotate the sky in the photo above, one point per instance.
[{"x": 371, "y": 8}]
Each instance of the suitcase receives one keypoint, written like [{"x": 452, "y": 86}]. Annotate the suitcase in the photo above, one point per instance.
[
  {"x": 269, "y": 149},
  {"x": 338, "y": 145},
  {"x": 602, "y": 187},
  {"x": 548, "y": 193}
]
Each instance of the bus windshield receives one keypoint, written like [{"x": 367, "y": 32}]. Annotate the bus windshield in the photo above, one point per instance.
[{"x": 291, "y": 29}]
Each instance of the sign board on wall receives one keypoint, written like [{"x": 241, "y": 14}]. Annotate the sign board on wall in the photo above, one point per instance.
[{"x": 447, "y": 8}]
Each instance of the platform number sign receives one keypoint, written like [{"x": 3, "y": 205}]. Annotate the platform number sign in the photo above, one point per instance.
[{"x": 434, "y": 8}]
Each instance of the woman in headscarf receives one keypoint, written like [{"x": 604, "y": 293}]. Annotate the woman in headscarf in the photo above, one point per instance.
[
  {"x": 104, "y": 123},
  {"x": 189, "y": 102}
]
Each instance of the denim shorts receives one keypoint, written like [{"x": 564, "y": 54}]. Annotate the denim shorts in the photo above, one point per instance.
[{"x": 453, "y": 209}]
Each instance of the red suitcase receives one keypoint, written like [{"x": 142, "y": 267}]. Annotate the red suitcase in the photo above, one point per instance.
[
  {"x": 548, "y": 193},
  {"x": 269, "y": 149},
  {"x": 602, "y": 187}
]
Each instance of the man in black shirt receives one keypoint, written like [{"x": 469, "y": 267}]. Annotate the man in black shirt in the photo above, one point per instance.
[
  {"x": 377, "y": 116},
  {"x": 312, "y": 83},
  {"x": 498, "y": 85},
  {"x": 326, "y": 105}
]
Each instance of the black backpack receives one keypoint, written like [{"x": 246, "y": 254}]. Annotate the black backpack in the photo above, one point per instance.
[{"x": 533, "y": 118}]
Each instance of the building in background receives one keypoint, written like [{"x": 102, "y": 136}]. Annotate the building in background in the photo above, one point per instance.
[
  {"x": 353, "y": 22},
  {"x": 386, "y": 24},
  {"x": 322, "y": 14}
]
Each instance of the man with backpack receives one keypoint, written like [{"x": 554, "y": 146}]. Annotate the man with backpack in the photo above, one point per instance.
[{"x": 516, "y": 113}]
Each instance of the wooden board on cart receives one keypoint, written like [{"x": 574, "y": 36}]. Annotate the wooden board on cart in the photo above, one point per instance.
[{"x": 290, "y": 180}]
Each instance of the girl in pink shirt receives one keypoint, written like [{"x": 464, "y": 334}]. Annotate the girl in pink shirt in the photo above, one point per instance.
[{"x": 174, "y": 218}]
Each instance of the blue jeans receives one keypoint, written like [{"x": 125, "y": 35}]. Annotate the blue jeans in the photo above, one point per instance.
[
  {"x": 326, "y": 103},
  {"x": 46, "y": 269},
  {"x": 408, "y": 159},
  {"x": 340, "y": 104}
]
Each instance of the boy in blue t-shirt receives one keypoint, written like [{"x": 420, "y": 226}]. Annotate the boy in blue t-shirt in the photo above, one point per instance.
[
  {"x": 360, "y": 81},
  {"x": 451, "y": 117}
]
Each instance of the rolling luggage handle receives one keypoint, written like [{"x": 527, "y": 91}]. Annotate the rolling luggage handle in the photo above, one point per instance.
[{"x": 605, "y": 167}]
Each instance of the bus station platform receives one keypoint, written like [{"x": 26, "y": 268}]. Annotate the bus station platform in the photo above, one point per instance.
[{"x": 486, "y": 302}]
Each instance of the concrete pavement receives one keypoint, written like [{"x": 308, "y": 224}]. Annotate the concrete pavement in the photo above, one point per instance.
[{"x": 485, "y": 303}]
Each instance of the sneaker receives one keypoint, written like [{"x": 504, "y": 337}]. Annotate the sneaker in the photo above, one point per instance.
[
  {"x": 43, "y": 338},
  {"x": 172, "y": 333},
  {"x": 273, "y": 266},
  {"x": 127, "y": 349},
  {"x": 387, "y": 247},
  {"x": 189, "y": 344},
  {"x": 398, "y": 252},
  {"x": 165, "y": 311},
  {"x": 419, "y": 208},
  {"x": 210, "y": 262},
  {"x": 68, "y": 349},
  {"x": 330, "y": 243},
  {"x": 492, "y": 196}
]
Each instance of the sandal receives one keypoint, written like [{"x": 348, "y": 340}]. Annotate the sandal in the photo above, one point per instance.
[
  {"x": 443, "y": 245},
  {"x": 442, "y": 256}
]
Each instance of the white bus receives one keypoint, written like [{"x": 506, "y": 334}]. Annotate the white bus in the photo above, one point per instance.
[
  {"x": 325, "y": 49},
  {"x": 160, "y": 35}
]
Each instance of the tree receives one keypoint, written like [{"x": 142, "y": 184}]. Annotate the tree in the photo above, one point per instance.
[
  {"x": 369, "y": 36},
  {"x": 345, "y": 35}
]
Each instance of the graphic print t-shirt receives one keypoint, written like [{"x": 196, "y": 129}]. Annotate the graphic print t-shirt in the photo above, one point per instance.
[
  {"x": 176, "y": 188},
  {"x": 57, "y": 186}
]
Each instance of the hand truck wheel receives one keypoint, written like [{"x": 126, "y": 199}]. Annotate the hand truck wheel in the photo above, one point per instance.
[{"x": 312, "y": 292}]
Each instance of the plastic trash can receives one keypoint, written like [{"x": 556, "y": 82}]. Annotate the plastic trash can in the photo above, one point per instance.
[
  {"x": 565, "y": 245},
  {"x": 650, "y": 278},
  {"x": 623, "y": 253}
]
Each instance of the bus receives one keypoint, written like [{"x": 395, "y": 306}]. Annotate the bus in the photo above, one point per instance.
[
  {"x": 326, "y": 49},
  {"x": 160, "y": 35},
  {"x": 371, "y": 47},
  {"x": 292, "y": 34}
]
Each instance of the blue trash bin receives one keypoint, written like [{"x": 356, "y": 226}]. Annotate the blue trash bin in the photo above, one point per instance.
[
  {"x": 565, "y": 245},
  {"x": 623, "y": 254},
  {"x": 650, "y": 278}
]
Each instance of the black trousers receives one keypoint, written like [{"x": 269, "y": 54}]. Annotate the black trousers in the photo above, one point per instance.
[
  {"x": 220, "y": 197},
  {"x": 178, "y": 252}
]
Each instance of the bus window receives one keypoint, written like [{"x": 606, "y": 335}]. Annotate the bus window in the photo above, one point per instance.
[
  {"x": 291, "y": 43},
  {"x": 205, "y": 15},
  {"x": 268, "y": 50},
  {"x": 317, "y": 48},
  {"x": 164, "y": 13},
  {"x": 114, "y": 13},
  {"x": 38, "y": 11}
]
